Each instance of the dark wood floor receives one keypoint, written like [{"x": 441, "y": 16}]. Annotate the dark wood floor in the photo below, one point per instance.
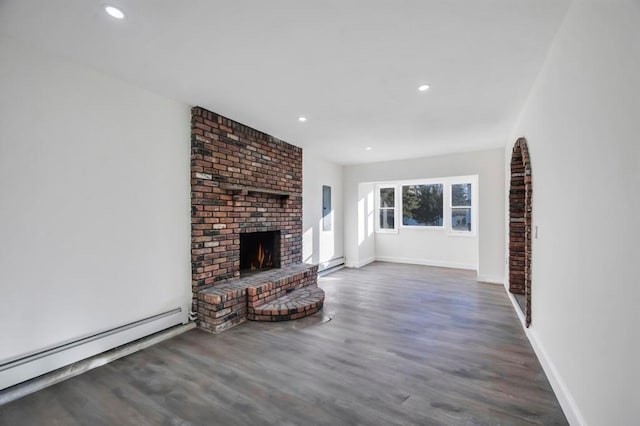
[{"x": 405, "y": 345}]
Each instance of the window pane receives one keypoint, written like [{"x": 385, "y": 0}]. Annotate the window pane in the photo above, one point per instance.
[
  {"x": 461, "y": 219},
  {"x": 422, "y": 205},
  {"x": 461, "y": 194},
  {"x": 387, "y": 197},
  {"x": 387, "y": 218}
]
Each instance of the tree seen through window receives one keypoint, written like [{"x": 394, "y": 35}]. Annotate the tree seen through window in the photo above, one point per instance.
[{"x": 422, "y": 205}]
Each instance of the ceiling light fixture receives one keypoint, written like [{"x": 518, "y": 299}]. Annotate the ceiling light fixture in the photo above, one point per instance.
[
  {"x": 368, "y": 148},
  {"x": 423, "y": 87},
  {"x": 302, "y": 119},
  {"x": 114, "y": 12}
]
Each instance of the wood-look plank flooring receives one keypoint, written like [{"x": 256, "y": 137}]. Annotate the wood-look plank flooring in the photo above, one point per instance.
[{"x": 406, "y": 345}]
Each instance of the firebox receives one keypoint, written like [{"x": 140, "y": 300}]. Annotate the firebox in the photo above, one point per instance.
[{"x": 259, "y": 251}]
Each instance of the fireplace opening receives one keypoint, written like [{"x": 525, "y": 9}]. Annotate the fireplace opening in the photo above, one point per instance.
[{"x": 259, "y": 251}]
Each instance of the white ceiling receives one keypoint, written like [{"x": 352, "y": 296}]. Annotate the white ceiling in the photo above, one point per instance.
[{"x": 351, "y": 66}]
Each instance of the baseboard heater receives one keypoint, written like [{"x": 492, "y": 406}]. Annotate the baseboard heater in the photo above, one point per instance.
[
  {"x": 330, "y": 264},
  {"x": 18, "y": 369}
]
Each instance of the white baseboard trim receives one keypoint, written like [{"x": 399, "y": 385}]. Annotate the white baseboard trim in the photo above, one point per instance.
[
  {"x": 491, "y": 279},
  {"x": 568, "y": 404},
  {"x": 17, "y": 371},
  {"x": 360, "y": 263},
  {"x": 426, "y": 262}
]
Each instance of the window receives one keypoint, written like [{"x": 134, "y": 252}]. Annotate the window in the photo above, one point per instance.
[
  {"x": 447, "y": 204},
  {"x": 387, "y": 207},
  {"x": 461, "y": 207},
  {"x": 422, "y": 205}
]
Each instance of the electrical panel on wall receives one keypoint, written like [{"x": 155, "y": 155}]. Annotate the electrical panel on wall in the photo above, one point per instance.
[{"x": 326, "y": 208}]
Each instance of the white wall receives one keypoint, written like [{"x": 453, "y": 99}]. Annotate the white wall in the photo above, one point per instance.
[
  {"x": 325, "y": 248},
  {"x": 94, "y": 203},
  {"x": 363, "y": 250},
  {"x": 488, "y": 165},
  {"x": 581, "y": 124}
]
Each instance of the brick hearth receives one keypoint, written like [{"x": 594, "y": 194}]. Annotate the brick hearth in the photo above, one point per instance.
[
  {"x": 293, "y": 288},
  {"x": 295, "y": 305},
  {"x": 242, "y": 180}
]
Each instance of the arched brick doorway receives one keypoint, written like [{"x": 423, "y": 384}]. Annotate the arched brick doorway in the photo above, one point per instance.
[{"x": 520, "y": 225}]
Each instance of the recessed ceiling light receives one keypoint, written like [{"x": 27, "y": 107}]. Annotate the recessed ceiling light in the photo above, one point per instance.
[
  {"x": 423, "y": 87},
  {"x": 302, "y": 119},
  {"x": 114, "y": 11},
  {"x": 368, "y": 148}
]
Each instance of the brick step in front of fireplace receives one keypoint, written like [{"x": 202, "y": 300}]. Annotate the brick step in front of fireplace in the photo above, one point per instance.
[
  {"x": 295, "y": 304},
  {"x": 223, "y": 306}
]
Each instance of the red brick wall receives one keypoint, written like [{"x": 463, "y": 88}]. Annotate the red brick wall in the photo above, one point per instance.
[
  {"x": 227, "y": 154},
  {"x": 520, "y": 224}
]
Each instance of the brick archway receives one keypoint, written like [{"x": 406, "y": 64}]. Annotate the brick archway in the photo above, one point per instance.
[{"x": 520, "y": 225}]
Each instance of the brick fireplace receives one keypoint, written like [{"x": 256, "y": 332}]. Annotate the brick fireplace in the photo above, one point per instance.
[{"x": 246, "y": 188}]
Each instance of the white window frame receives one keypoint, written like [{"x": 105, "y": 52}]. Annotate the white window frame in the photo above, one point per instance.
[
  {"x": 447, "y": 226},
  {"x": 438, "y": 181},
  {"x": 473, "y": 180},
  {"x": 378, "y": 207}
]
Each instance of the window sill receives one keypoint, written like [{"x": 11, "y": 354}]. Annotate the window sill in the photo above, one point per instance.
[{"x": 423, "y": 228}]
